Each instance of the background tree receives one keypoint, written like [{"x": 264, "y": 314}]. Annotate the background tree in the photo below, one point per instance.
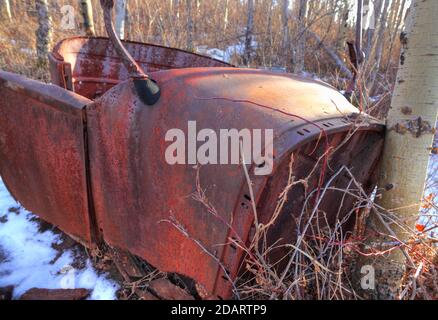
[
  {"x": 359, "y": 26},
  {"x": 409, "y": 136},
  {"x": 326, "y": 24},
  {"x": 376, "y": 9},
  {"x": 380, "y": 44},
  {"x": 189, "y": 25},
  {"x": 395, "y": 31},
  {"x": 269, "y": 39},
  {"x": 225, "y": 16},
  {"x": 120, "y": 20},
  {"x": 285, "y": 31},
  {"x": 343, "y": 25},
  {"x": 44, "y": 31},
  {"x": 5, "y": 10},
  {"x": 249, "y": 33},
  {"x": 300, "y": 39},
  {"x": 87, "y": 15}
]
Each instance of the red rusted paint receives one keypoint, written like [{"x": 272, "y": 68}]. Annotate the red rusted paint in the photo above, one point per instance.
[
  {"x": 144, "y": 190},
  {"x": 42, "y": 152},
  {"x": 132, "y": 189},
  {"x": 92, "y": 65}
]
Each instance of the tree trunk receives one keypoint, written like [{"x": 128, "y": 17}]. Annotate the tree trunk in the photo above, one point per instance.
[
  {"x": 285, "y": 43},
  {"x": 408, "y": 141},
  {"x": 395, "y": 33},
  {"x": 377, "y": 9},
  {"x": 392, "y": 17},
  {"x": 5, "y": 10},
  {"x": 176, "y": 6},
  {"x": 379, "y": 48},
  {"x": 359, "y": 31},
  {"x": 225, "y": 16},
  {"x": 343, "y": 26},
  {"x": 269, "y": 36},
  {"x": 382, "y": 28},
  {"x": 120, "y": 18},
  {"x": 249, "y": 33},
  {"x": 301, "y": 38},
  {"x": 128, "y": 23},
  {"x": 196, "y": 16},
  {"x": 175, "y": 12},
  {"x": 369, "y": 31},
  {"x": 189, "y": 25},
  {"x": 87, "y": 15},
  {"x": 44, "y": 32}
]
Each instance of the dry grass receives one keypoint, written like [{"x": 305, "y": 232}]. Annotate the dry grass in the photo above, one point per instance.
[{"x": 322, "y": 261}]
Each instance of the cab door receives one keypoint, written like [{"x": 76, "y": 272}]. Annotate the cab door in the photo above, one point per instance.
[{"x": 42, "y": 152}]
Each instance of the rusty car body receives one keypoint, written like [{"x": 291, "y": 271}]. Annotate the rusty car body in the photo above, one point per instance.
[{"x": 86, "y": 153}]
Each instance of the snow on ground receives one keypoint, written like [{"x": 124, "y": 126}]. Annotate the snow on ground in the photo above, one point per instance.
[
  {"x": 28, "y": 259},
  {"x": 429, "y": 214},
  {"x": 432, "y": 181},
  {"x": 227, "y": 54}
]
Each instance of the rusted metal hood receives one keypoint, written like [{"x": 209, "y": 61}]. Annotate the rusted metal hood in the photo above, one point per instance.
[{"x": 136, "y": 192}]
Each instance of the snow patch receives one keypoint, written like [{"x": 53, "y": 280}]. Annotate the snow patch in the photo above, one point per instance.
[
  {"x": 227, "y": 54},
  {"x": 28, "y": 260}
]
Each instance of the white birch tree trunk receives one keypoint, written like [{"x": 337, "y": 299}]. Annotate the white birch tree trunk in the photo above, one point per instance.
[
  {"x": 44, "y": 32},
  {"x": 343, "y": 28},
  {"x": 395, "y": 33},
  {"x": 392, "y": 17},
  {"x": 120, "y": 6},
  {"x": 379, "y": 48},
  {"x": 87, "y": 15},
  {"x": 359, "y": 24},
  {"x": 128, "y": 23},
  {"x": 189, "y": 25},
  {"x": 300, "y": 38},
  {"x": 409, "y": 136},
  {"x": 249, "y": 33},
  {"x": 269, "y": 36},
  {"x": 285, "y": 32},
  {"x": 176, "y": 6},
  {"x": 225, "y": 16},
  {"x": 5, "y": 10},
  {"x": 377, "y": 9}
]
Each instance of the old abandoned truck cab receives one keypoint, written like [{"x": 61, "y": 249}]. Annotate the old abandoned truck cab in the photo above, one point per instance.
[{"x": 87, "y": 153}]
